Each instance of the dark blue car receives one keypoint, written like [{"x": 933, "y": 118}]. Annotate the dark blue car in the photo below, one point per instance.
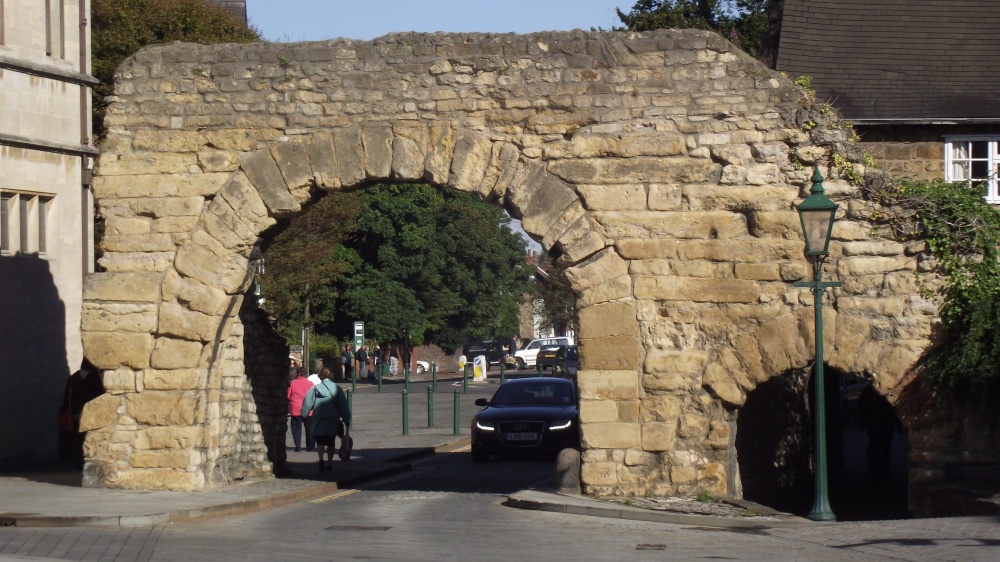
[{"x": 537, "y": 414}]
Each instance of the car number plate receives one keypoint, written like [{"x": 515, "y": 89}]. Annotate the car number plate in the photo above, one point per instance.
[{"x": 522, "y": 436}]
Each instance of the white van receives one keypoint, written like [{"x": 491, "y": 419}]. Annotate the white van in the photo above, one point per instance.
[{"x": 526, "y": 356}]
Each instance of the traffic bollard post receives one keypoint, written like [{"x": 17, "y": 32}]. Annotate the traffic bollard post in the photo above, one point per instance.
[
  {"x": 465, "y": 378},
  {"x": 501, "y": 372},
  {"x": 406, "y": 377},
  {"x": 430, "y": 406},
  {"x": 381, "y": 368},
  {"x": 406, "y": 414},
  {"x": 350, "y": 403},
  {"x": 457, "y": 406},
  {"x": 354, "y": 380},
  {"x": 434, "y": 375}
]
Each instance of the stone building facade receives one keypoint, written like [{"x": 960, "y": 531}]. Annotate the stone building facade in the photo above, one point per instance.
[
  {"x": 664, "y": 167},
  {"x": 45, "y": 216}
]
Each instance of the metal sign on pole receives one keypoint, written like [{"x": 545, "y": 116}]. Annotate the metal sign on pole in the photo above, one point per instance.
[{"x": 359, "y": 334}]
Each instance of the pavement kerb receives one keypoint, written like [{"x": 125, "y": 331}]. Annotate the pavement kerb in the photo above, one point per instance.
[
  {"x": 233, "y": 508},
  {"x": 545, "y": 500}
]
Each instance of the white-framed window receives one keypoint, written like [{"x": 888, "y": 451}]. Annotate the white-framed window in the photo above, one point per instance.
[
  {"x": 975, "y": 159},
  {"x": 24, "y": 223}
]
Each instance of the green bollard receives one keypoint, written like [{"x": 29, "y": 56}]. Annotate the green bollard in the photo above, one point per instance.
[
  {"x": 465, "y": 378},
  {"x": 354, "y": 380},
  {"x": 434, "y": 375},
  {"x": 502, "y": 369},
  {"x": 381, "y": 368},
  {"x": 430, "y": 406},
  {"x": 457, "y": 406},
  {"x": 350, "y": 403},
  {"x": 406, "y": 414},
  {"x": 406, "y": 377}
]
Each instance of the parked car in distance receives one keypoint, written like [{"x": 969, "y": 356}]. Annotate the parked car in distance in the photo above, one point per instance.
[
  {"x": 492, "y": 349},
  {"x": 537, "y": 414},
  {"x": 567, "y": 362},
  {"x": 423, "y": 367},
  {"x": 526, "y": 356},
  {"x": 548, "y": 355}
]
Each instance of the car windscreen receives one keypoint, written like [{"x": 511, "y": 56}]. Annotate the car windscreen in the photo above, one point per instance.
[{"x": 534, "y": 394}]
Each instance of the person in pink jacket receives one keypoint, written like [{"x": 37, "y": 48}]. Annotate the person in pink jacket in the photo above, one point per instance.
[{"x": 297, "y": 391}]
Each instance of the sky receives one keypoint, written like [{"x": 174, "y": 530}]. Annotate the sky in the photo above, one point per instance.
[{"x": 316, "y": 20}]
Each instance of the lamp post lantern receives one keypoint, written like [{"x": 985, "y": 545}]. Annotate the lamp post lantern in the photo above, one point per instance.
[{"x": 817, "y": 213}]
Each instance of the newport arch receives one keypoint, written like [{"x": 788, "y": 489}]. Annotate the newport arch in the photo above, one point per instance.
[{"x": 664, "y": 166}]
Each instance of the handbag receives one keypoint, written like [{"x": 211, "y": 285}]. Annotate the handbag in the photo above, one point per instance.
[
  {"x": 346, "y": 446},
  {"x": 66, "y": 416}
]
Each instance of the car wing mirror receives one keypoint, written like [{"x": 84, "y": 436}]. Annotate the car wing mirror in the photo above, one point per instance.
[{"x": 482, "y": 402}]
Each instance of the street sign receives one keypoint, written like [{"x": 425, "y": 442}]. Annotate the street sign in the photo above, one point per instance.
[{"x": 359, "y": 334}]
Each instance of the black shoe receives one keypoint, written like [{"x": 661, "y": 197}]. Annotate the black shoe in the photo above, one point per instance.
[
  {"x": 297, "y": 449},
  {"x": 322, "y": 466}
]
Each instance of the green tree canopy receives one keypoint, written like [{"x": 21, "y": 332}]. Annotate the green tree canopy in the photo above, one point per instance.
[
  {"x": 119, "y": 28},
  {"x": 747, "y": 23}
]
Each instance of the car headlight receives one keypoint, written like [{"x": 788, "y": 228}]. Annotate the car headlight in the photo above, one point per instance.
[
  {"x": 561, "y": 424},
  {"x": 485, "y": 426}
]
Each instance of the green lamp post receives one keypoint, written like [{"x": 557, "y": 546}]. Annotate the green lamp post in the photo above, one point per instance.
[{"x": 817, "y": 213}]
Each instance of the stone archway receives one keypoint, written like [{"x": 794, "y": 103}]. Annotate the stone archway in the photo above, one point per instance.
[{"x": 664, "y": 166}]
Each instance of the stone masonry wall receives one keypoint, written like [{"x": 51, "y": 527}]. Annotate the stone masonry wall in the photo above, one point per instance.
[{"x": 662, "y": 166}]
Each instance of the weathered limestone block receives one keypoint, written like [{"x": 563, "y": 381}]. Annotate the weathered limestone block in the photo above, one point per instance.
[
  {"x": 99, "y": 412},
  {"x": 600, "y": 268},
  {"x": 619, "y": 197},
  {"x": 350, "y": 155},
  {"x": 169, "y": 206},
  {"x": 440, "y": 151},
  {"x": 543, "y": 199},
  {"x": 147, "y": 163},
  {"x": 292, "y": 160},
  {"x": 262, "y": 171},
  {"x": 773, "y": 197},
  {"x": 195, "y": 295},
  {"x": 610, "y": 353},
  {"x": 470, "y": 161},
  {"x": 223, "y": 223},
  {"x": 168, "y": 140},
  {"x": 207, "y": 260},
  {"x": 712, "y": 477},
  {"x": 609, "y": 320},
  {"x": 117, "y": 381},
  {"x": 780, "y": 348},
  {"x": 174, "y": 379},
  {"x": 599, "y": 474},
  {"x": 110, "y": 350},
  {"x": 501, "y": 171},
  {"x": 121, "y": 226},
  {"x": 664, "y": 197},
  {"x": 323, "y": 160},
  {"x": 581, "y": 240},
  {"x": 622, "y": 145},
  {"x": 699, "y": 225},
  {"x": 219, "y": 161},
  {"x": 758, "y": 271},
  {"x": 660, "y": 408},
  {"x": 175, "y": 438},
  {"x": 598, "y": 411},
  {"x": 409, "y": 149},
  {"x": 636, "y": 170},
  {"x": 613, "y": 435},
  {"x": 573, "y": 213},
  {"x": 647, "y": 248},
  {"x": 152, "y": 242},
  {"x": 118, "y": 317},
  {"x": 245, "y": 202},
  {"x": 779, "y": 224},
  {"x": 696, "y": 289},
  {"x": 767, "y": 251},
  {"x": 170, "y": 353},
  {"x": 165, "y": 408},
  {"x": 658, "y": 436},
  {"x": 179, "y": 459},
  {"x": 608, "y": 385},
  {"x": 377, "y": 144},
  {"x": 173, "y": 480}
]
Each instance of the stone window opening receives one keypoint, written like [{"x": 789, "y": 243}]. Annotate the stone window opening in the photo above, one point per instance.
[
  {"x": 24, "y": 223},
  {"x": 976, "y": 160}
]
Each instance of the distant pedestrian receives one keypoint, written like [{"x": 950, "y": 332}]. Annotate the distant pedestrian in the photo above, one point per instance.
[
  {"x": 330, "y": 417},
  {"x": 348, "y": 362},
  {"x": 297, "y": 391},
  {"x": 362, "y": 360},
  {"x": 876, "y": 416},
  {"x": 81, "y": 387},
  {"x": 376, "y": 361}
]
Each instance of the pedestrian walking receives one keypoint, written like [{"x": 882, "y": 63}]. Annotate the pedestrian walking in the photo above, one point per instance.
[
  {"x": 376, "y": 362},
  {"x": 348, "y": 361},
  {"x": 328, "y": 415},
  {"x": 362, "y": 360},
  {"x": 297, "y": 391}
]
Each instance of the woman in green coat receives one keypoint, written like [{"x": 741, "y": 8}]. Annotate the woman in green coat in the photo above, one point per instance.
[{"x": 330, "y": 416}]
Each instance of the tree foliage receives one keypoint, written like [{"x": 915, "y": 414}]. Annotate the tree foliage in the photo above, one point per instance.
[
  {"x": 558, "y": 310},
  {"x": 416, "y": 263},
  {"x": 962, "y": 233},
  {"x": 307, "y": 263},
  {"x": 744, "y": 22},
  {"x": 119, "y": 28}
]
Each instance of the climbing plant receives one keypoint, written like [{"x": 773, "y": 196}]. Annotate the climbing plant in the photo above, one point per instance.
[{"x": 962, "y": 232}]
